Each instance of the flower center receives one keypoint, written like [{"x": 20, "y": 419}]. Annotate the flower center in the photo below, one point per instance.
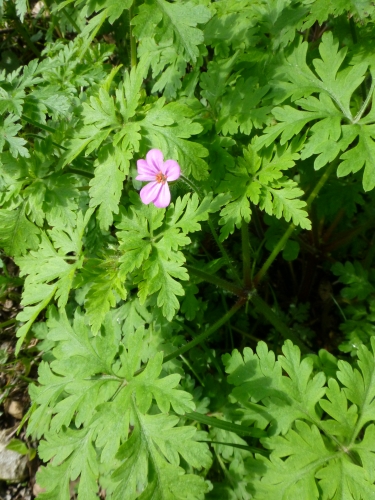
[{"x": 161, "y": 178}]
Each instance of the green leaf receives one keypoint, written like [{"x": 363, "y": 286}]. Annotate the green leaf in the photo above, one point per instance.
[
  {"x": 8, "y": 134},
  {"x": 318, "y": 453},
  {"x": 153, "y": 247},
  {"x": 17, "y": 233},
  {"x": 321, "y": 10},
  {"x": 356, "y": 277},
  {"x": 156, "y": 444},
  {"x": 21, "y": 8},
  {"x": 179, "y": 19},
  {"x": 116, "y": 8},
  {"x": 105, "y": 288},
  {"x": 260, "y": 180},
  {"x": 98, "y": 402},
  {"x": 48, "y": 272},
  {"x": 360, "y": 155},
  {"x": 305, "y": 453},
  {"x": 167, "y": 128},
  {"x": 284, "y": 398},
  {"x": 106, "y": 186},
  {"x": 75, "y": 448}
]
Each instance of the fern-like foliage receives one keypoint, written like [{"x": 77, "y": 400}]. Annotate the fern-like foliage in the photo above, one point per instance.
[
  {"x": 337, "y": 128},
  {"x": 320, "y": 431},
  {"x": 98, "y": 409},
  {"x": 150, "y": 244},
  {"x": 261, "y": 181}
]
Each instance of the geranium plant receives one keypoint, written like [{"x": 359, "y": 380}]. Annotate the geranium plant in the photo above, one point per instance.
[{"x": 187, "y": 191}]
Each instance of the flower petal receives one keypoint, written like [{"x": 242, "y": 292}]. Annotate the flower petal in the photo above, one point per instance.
[
  {"x": 164, "y": 197},
  {"x": 145, "y": 171},
  {"x": 150, "y": 192},
  {"x": 172, "y": 170},
  {"x": 155, "y": 159}
]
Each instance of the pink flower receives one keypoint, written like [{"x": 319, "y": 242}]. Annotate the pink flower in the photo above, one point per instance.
[{"x": 159, "y": 173}]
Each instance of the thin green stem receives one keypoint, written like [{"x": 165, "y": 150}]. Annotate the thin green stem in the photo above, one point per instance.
[
  {"x": 246, "y": 254},
  {"x": 37, "y": 124},
  {"x": 41, "y": 138},
  {"x": 195, "y": 373},
  {"x": 223, "y": 251},
  {"x": 133, "y": 42},
  {"x": 71, "y": 20},
  {"x": 245, "y": 334},
  {"x": 275, "y": 321},
  {"x": 275, "y": 252},
  {"x": 9, "y": 322},
  {"x": 25, "y": 35},
  {"x": 314, "y": 193},
  {"x": 211, "y": 278},
  {"x": 353, "y": 32},
  {"x": 253, "y": 449},
  {"x": 213, "y": 231},
  {"x": 223, "y": 424},
  {"x": 204, "y": 347},
  {"x": 203, "y": 336},
  {"x": 280, "y": 245},
  {"x": 76, "y": 171},
  {"x": 358, "y": 116},
  {"x": 90, "y": 31}
]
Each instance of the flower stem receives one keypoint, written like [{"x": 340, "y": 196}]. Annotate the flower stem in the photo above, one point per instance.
[
  {"x": 213, "y": 231},
  {"x": 275, "y": 321},
  {"x": 8, "y": 322},
  {"x": 133, "y": 43},
  {"x": 223, "y": 251},
  {"x": 246, "y": 254},
  {"x": 203, "y": 336},
  {"x": 211, "y": 278},
  {"x": 275, "y": 252},
  {"x": 280, "y": 245}
]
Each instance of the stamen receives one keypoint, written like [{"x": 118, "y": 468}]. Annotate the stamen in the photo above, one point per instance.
[{"x": 161, "y": 178}]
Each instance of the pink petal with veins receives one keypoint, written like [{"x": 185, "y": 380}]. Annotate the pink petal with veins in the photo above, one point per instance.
[
  {"x": 150, "y": 192},
  {"x": 164, "y": 197},
  {"x": 172, "y": 170},
  {"x": 155, "y": 159},
  {"x": 146, "y": 172}
]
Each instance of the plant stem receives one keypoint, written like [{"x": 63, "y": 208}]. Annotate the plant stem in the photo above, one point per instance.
[
  {"x": 133, "y": 43},
  {"x": 314, "y": 193},
  {"x": 245, "y": 334},
  {"x": 222, "y": 250},
  {"x": 25, "y": 35},
  {"x": 37, "y": 124},
  {"x": 353, "y": 32},
  {"x": 275, "y": 252},
  {"x": 8, "y": 323},
  {"x": 366, "y": 101},
  {"x": 223, "y": 424},
  {"x": 90, "y": 31},
  {"x": 280, "y": 245},
  {"x": 213, "y": 231},
  {"x": 76, "y": 171},
  {"x": 71, "y": 20},
  {"x": 275, "y": 321},
  {"x": 246, "y": 254},
  {"x": 211, "y": 278},
  {"x": 203, "y": 336}
]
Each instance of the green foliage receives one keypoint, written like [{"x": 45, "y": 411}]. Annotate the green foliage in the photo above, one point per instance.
[
  {"x": 150, "y": 245},
  {"x": 267, "y": 106},
  {"x": 314, "y": 450},
  {"x": 356, "y": 277},
  {"x": 91, "y": 391},
  {"x": 261, "y": 182}
]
